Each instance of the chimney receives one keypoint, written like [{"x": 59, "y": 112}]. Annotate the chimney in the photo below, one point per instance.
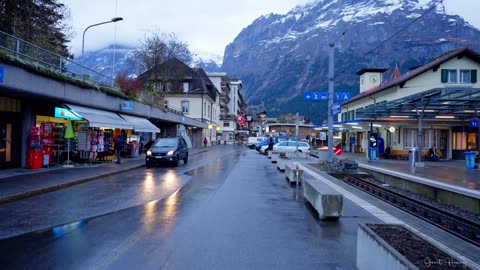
[{"x": 370, "y": 78}]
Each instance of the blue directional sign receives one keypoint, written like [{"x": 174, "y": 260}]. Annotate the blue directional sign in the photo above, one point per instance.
[
  {"x": 473, "y": 123},
  {"x": 336, "y": 109},
  {"x": 342, "y": 96},
  {"x": 315, "y": 96},
  {"x": 2, "y": 72}
]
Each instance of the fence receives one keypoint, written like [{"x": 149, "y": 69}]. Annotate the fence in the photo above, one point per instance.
[{"x": 28, "y": 52}]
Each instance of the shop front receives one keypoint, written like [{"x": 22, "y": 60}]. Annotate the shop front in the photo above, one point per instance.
[
  {"x": 143, "y": 131},
  {"x": 96, "y": 133}
]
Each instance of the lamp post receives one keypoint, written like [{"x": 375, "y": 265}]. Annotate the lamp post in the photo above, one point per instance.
[
  {"x": 116, "y": 19},
  {"x": 262, "y": 115}
]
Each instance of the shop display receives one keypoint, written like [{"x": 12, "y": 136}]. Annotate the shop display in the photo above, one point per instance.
[
  {"x": 46, "y": 132},
  {"x": 94, "y": 144},
  {"x": 133, "y": 144},
  {"x": 35, "y": 149}
]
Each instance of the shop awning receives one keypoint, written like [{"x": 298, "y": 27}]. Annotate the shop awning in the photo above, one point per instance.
[
  {"x": 99, "y": 118},
  {"x": 140, "y": 124}
]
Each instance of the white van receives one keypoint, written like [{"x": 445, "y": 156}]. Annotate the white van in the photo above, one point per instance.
[{"x": 252, "y": 141}]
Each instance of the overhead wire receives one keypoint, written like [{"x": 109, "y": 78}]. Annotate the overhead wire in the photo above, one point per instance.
[{"x": 396, "y": 33}]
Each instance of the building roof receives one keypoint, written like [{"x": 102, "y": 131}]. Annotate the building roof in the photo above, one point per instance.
[
  {"x": 176, "y": 70},
  {"x": 435, "y": 64}
]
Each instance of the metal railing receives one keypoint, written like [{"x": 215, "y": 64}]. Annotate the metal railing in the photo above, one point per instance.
[{"x": 33, "y": 54}]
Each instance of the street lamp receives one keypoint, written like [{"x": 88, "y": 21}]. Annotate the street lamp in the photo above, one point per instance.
[{"x": 116, "y": 19}]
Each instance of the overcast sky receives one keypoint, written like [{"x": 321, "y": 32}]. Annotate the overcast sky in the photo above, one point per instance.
[{"x": 207, "y": 26}]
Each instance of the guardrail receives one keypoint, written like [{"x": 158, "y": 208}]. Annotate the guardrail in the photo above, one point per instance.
[{"x": 31, "y": 53}]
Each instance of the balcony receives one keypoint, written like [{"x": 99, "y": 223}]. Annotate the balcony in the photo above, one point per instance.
[
  {"x": 225, "y": 98},
  {"x": 224, "y": 109}
]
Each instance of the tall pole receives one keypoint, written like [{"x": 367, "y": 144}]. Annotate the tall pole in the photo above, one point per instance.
[{"x": 330, "y": 101}]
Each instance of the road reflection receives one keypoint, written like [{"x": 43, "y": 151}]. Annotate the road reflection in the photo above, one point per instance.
[{"x": 154, "y": 211}]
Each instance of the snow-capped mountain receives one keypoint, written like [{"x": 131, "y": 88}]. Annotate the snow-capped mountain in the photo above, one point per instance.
[
  {"x": 279, "y": 57},
  {"x": 101, "y": 61}
]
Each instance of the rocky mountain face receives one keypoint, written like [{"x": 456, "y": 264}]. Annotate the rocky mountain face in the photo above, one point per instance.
[{"x": 279, "y": 57}]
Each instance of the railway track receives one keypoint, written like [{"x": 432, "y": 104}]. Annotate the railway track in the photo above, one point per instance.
[{"x": 466, "y": 229}]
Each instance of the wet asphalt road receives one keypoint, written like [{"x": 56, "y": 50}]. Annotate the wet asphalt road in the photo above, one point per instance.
[{"x": 225, "y": 209}]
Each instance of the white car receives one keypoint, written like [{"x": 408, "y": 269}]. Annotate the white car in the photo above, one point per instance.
[
  {"x": 291, "y": 146},
  {"x": 264, "y": 149}
]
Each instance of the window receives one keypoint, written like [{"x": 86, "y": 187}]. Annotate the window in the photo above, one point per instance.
[
  {"x": 185, "y": 105},
  {"x": 449, "y": 76},
  {"x": 465, "y": 76},
  {"x": 468, "y": 76},
  {"x": 410, "y": 136},
  {"x": 185, "y": 87},
  {"x": 226, "y": 124}
]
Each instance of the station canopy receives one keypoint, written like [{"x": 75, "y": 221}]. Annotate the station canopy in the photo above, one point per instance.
[{"x": 439, "y": 103}]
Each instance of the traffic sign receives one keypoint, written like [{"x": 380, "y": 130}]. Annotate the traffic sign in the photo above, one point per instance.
[
  {"x": 342, "y": 96},
  {"x": 315, "y": 96},
  {"x": 473, "y": 123},
  {"x": 336, "y": 109},
  {"x": 2, "y": 73},
  {"x": 337, "y": 150}
]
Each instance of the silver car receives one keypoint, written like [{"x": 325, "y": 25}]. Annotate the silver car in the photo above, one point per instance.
[{"x": 291, "y": 146}]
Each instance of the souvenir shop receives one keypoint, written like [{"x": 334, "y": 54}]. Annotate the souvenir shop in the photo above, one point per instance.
[{"x": 84, "y": 135}]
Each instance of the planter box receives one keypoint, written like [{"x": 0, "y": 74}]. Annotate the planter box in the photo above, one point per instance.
[{"x": 392, "y": 246}]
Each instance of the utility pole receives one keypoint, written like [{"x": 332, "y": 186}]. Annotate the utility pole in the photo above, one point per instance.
[{"x": 330, "y": 101}]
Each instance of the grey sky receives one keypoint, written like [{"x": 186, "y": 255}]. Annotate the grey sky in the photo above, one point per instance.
[{"x": 207, "y": 26}]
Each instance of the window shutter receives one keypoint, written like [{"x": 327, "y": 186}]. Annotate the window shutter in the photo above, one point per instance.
[
  {"x": 473, "y": 76},
  {"x": 444, "y": 76}
]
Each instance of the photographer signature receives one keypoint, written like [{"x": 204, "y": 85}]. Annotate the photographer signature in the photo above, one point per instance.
[{"x": 450, "y": 262}]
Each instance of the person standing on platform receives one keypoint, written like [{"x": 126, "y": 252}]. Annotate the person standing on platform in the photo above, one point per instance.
[
  {"x": 119, "y": 145},
  {"x": 205, "y": 141}
]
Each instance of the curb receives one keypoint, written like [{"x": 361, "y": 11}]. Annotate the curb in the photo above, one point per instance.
[{"x": 43, "y": 190}]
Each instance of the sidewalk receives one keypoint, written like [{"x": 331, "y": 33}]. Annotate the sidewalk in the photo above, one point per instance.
[{"x": 19, "y": 183}]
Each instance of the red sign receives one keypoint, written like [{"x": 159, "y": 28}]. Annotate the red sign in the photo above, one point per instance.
[
  {"x": 337, "y": 150},
  {"x": 241, "y": 120}
]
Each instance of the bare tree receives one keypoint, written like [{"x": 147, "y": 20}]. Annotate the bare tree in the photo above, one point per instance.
[{"x": 157, "y": 49}]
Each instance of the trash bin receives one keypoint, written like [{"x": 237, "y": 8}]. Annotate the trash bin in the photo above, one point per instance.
[
  {"x": 470, "y": 160},
  {"x": 411, "y": 157},
  {"x": 373, "y": 153}
]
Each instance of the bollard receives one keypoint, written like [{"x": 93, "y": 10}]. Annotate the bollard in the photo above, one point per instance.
[{"x": 411, "y": 158}]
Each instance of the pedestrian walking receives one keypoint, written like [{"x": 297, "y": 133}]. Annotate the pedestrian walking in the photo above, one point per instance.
[
  {"x": 205, "y": 141},
  {"x": 119, "y": 145},
  {"x": 270, "y": 143}
]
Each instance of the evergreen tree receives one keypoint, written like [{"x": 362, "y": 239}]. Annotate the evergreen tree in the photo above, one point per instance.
[{"x": 41, "y": 22}]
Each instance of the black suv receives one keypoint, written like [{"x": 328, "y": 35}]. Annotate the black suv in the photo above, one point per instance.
[{"x": 167, "y": 150}]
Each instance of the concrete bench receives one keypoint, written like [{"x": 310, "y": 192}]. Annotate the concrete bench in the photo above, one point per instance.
[
  {"x": 281, "y": 161},
  {"x": 274, "y": 156},
  {"x": 291, "y": 173},
  {"x": 271, "y": 153},
  {"x": 293, "y": 155},
  {"x": 327, "y": 201}
]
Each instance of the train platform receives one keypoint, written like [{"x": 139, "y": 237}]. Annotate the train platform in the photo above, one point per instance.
[{"x": 452, "y": 172}]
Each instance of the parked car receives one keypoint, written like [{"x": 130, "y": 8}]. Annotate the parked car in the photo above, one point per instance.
[
  {"x": 252, "y": 141},
  {"x": 276, "y": 139},
  {"x": 167, "y": 150},
  {"x": 260, "y": 144},
  {"x": 291, "y": 146}
]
